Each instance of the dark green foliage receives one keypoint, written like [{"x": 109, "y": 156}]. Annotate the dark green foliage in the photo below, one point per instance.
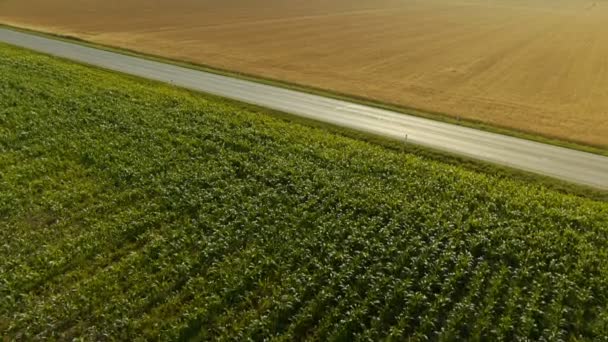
[{"x": 133, "y": 210}]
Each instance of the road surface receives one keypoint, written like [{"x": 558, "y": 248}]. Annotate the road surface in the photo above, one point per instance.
[{"x": 565, "y": 164}]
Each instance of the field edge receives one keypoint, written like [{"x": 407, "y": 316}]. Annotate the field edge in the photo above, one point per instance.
[
  {"x": 437, "y": 116},
  {"x": 467, "y": 163}
]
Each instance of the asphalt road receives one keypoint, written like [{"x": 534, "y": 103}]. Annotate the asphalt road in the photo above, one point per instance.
[{"x": 570, "y": 165}]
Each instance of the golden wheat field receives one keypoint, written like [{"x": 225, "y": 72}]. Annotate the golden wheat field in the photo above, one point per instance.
[{"x": 536, "y": 65}]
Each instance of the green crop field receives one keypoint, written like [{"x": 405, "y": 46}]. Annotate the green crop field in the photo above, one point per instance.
[{"x": 133, "y": 210}]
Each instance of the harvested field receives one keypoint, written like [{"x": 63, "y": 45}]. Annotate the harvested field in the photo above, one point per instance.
[{"x": 538, "y": 66}]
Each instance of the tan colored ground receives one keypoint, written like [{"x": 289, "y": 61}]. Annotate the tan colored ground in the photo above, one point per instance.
[{"x": 535, "y": 65}]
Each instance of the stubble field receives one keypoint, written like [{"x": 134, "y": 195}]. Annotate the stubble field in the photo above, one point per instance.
[{"x": 537, "y": 66}]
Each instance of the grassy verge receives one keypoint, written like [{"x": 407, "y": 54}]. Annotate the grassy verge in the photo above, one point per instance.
[
  {"x": 131, "y": 209},
  {"x": 533, "y": 136}
]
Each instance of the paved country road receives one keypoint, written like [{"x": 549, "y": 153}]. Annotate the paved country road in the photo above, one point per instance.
[{"x": 569, "y": 165}]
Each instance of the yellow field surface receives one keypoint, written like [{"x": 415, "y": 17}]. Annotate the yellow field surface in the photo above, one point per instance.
[{"x": 536, "y": 65}]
